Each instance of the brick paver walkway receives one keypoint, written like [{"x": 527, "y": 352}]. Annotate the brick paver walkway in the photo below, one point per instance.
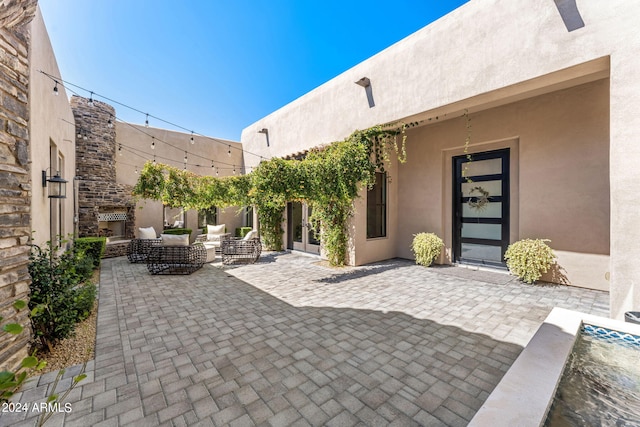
[{"x": 289, "y": 341}]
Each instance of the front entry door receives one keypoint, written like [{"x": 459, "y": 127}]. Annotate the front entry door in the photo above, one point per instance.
[
  {"x": 481, "y": 208},
  {"x": 302, "y": 236}
]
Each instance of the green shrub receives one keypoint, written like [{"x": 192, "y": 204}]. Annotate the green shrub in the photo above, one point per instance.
[
  {"x": 92, "y": 246},
  {"x": 242, "y": 231},
  {"x": 84, "y": 265},
  {"x": 528, "y": 259},
  {"x": 84, "y": 300},
  {"x": 178, "y": 231},
  {"x": 426, "y": 247}
]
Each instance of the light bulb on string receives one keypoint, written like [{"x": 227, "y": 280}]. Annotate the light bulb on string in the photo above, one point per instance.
[
  {"x": 185, "y": 157},
  {"x": 217, "y": 171},
  {"x": 193, "y": 141},
  {"x": 55, "y": 88},
  {"x": 110, "y": 122},
  {"x": 234, "y": 169},
  {"x": 153, "y": 142},
  {"x": 90, "y": 99},
  {"x": 120, "y": 150},
  {"x": 229, "y": 152},
  {"x": 146, "y": 121},
  {"x": 212, "y": 165},
  {"x": 136, "y": 170},
  {"x": 85, "y": 136},
  {"x": 154, "y": 159}
]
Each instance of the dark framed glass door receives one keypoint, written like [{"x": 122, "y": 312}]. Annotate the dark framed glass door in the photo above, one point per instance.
[{"x": 481, "y": 208}]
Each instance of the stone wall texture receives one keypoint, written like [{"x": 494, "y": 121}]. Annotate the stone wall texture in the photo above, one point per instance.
[
  {"x": 15, "y": 185},
  {"x": 98, "y": 191}
]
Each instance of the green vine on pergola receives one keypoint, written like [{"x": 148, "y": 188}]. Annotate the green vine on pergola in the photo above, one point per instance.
[{"x": 328, "y": 179}]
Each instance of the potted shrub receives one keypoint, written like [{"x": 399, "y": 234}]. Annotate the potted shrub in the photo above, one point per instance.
[
  {"x": 426, "y": 247},
  {"x": 528, "y": 259}
]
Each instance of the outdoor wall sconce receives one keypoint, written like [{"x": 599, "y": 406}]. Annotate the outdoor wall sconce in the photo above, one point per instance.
[
  {"x": 265, "y": 131},
  {"x": 365, "y": 82},
  {"x": 57, "y": 185}
]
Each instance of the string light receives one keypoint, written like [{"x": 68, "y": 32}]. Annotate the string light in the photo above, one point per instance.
[
  {"x": 193, "y": 141},
  {"x": 154, "y": 159},
  {"x": 66, "y": 85},
  {"x": 153, "y": 142},
  {"x": 146, "y": 121},
  {"x": 217, "y": 171},
  {"x": 55, "y": 88},
  {"x": 120, "y": 150},
  {"x": 110, "y": 122},
  {"x": 136, "y": 170},
  {"x": 234, "y": 169},
  {"x": 91, "y": 100},
  {"x": 229, "y": 152},
  {"x": 185, "y": 157},
  {"x": 212, "y": 165}
]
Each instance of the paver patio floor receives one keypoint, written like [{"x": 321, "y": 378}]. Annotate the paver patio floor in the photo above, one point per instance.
[{"x": 288, "y": 341}]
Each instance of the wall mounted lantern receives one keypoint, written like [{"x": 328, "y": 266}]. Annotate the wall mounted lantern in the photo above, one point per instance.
[{"x": 57, "y": 185}]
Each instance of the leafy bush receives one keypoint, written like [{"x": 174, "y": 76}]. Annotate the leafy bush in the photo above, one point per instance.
[
  {"x": 11, "y": 381},
  {"x": 84, "y": 300},
  {"x": 177, "y": 231},
  {"x": 84, "y": 265},
  {"x": 54, "y": 302},
  {"x": 91, "y": 246},
  {"x": 528, "y": 259},
  {"x": 242, "y": 231},
  {"x": 426, "y": 247}
]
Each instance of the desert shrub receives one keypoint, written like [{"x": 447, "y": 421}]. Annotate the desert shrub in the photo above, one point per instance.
[
  {"x": 178, "y": 231},
  {"x": 528, "y": 259},
  {"x": 426, "y": 248},
  {"x": 92, "y": 246}
]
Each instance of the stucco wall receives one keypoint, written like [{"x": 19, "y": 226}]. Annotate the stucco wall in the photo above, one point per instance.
[
  {"x": 559, "y": 175},
  {"x": 52, "y": 125},
  {"x": 135, "y": 143},
  {"x": 485, "y": 54}
]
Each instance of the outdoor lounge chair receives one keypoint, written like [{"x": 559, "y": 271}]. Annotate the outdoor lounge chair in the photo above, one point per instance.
[
  {"x": 246, "y": 250},
  {"x": 175, "y": 256},
  {"x": 138, "y": 249},
  {"x": 212, "y": 241}
]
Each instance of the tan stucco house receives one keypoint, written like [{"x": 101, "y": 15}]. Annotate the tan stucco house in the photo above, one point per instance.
[{"x": 547, "y": 94}]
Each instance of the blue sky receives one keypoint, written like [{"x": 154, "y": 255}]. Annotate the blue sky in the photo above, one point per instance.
[{"x": 215, "y": 66}]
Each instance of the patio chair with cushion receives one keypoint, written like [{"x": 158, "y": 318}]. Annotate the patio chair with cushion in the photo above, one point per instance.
[
  {"x": 212, "y": 241},
  {"x": 245, "y": 250},
  {"x": 138, "y": 249},
  {"x": 175, "y": 255}
]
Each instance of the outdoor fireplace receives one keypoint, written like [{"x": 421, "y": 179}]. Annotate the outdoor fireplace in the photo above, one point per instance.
[{"x": 112, "y": 225}]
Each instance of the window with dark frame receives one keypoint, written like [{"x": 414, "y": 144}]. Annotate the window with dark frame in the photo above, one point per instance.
[
  {"x": 207, "y": 217},
  {"x": 377, "y": 207}
]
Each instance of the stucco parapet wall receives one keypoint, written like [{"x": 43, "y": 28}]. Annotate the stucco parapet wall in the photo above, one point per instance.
[
  {"x": 478, "y": 49},
  {"x": 14, "y": 13}
]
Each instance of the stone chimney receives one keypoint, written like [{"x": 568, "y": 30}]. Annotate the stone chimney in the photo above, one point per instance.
[{"x": 105, "y": 208}]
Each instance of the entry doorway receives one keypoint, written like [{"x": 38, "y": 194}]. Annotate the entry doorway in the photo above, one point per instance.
[
  {"x": 481, "y": 208},
  {"x": 301, "y": 234}
]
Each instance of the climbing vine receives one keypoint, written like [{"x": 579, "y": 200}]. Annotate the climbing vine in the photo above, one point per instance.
[{"x": 328, "y": 179}]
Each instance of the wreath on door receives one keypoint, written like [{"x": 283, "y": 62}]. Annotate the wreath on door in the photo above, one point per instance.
[{"x": 478, "y": 202}]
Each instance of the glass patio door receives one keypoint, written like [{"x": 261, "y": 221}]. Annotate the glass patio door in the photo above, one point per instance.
[
  {"x": 481, "y": 208},
  {"x": 302, "y": 236}
]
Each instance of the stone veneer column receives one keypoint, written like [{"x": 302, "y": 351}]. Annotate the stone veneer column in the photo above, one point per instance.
[
  {"x": 15, "y": 185},
  {"x": 96, "y": 167}
]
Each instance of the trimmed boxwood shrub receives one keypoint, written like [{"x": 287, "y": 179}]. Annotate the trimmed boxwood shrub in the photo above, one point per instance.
[
  {"x": 91, "y": 246},
  {"x": 242, "y": 231},
  {"x": 177, "y": 231},
  {"x": 426, "y": 247},
  {"x": 529, "y": 259}
]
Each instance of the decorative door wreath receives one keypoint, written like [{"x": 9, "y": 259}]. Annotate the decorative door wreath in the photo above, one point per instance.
[{"x": 478, "y": 202}]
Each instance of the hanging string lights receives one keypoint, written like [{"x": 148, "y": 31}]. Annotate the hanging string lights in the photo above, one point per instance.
[{"x": 81, "y": 133}]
